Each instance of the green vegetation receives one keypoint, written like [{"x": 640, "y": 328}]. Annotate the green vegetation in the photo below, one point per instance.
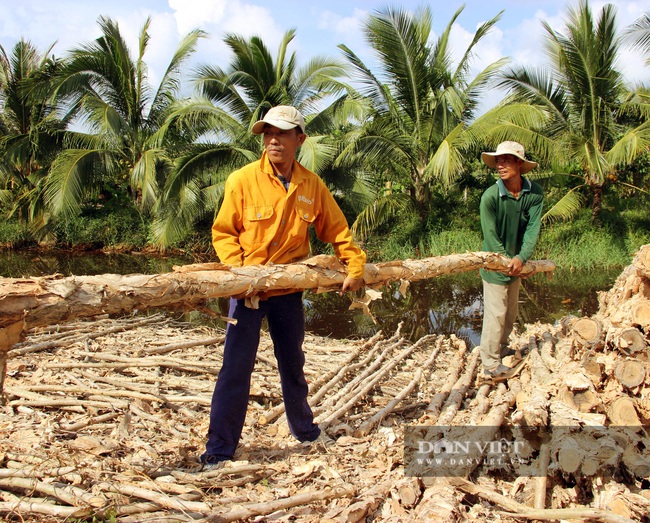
[
  {"x": 121, "y": 228},
  {"x": 571, "y": 245},
  {"x": 93, "y": 156},
  {"x": 15, "y": 234}
]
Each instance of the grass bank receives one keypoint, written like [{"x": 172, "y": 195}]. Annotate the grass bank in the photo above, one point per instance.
[
  {"x": 572, "y": 245},
  {"x": 575, "y": 245}
]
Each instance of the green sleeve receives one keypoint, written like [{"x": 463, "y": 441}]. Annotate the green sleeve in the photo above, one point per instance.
[
  {"x": 531, "y": 234},
  {"x": 488, "y": 213}
]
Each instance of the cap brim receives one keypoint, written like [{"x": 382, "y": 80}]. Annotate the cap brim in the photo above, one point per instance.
[{"x": 258, "y": 127}]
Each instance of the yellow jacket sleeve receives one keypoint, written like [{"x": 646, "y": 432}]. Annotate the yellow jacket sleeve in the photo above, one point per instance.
[
  {"x": 332, "y": 227},
  {"x": 227, "y": 226}
]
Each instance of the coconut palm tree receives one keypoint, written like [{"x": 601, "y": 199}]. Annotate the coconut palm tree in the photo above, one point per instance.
[
  {"x": 418, "y": 130},
  {"x": 124, "y": 149},
  {"x": 31, "y": 130},
  {"x": 596, "y": 127},
  {"x": 228, "y": 102}
]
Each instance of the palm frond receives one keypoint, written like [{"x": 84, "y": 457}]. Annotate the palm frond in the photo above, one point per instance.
[
  {"x": 170, "y": 85},
  {"x": 566, "y": 208},
  {"x": 379, "y": 212},
  {"x": 71, "y": 175},
  {"x": 316, "y": 154}
]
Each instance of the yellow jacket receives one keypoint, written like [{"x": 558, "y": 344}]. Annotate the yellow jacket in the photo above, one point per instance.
[{"x": 260, "y": 222}]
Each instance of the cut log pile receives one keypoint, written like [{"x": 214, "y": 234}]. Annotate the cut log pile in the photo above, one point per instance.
[{"x": 106, "y": 418}]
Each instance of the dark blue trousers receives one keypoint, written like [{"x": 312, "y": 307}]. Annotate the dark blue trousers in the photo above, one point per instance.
[{"x": 286, "y": 322}]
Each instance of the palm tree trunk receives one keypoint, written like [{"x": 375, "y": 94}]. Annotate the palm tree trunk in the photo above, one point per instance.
[
  {"x": 421, "y": 197},
  {"x": 597, "y": 203}
]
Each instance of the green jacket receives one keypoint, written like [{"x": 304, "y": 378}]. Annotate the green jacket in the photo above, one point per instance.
[{"x": 510, "y": 225}]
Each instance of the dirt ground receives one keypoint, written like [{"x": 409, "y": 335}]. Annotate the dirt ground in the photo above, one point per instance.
[{"x": 104, "y": 420}]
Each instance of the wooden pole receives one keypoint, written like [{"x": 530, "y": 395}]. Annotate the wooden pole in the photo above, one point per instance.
[
  {"x": 54, "y": 299},
  {"x": 49, "y": 300}
]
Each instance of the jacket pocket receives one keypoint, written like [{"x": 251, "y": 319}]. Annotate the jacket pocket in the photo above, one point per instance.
[
  {"x": 256, "y": 213},
  {"x": 306, "y": 215},
  {"x": 258, "y": 221}
]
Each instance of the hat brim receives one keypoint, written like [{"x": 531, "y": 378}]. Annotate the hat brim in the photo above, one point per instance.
[
  {"x": 258, "y": 127},
  {"x": 490, "y": 159}
]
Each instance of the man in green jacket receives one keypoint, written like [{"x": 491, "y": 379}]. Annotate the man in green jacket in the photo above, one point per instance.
[{"x": 511, "y": 213}]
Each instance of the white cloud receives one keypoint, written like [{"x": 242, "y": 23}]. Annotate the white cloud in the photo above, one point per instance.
[
  {"x": 191, "y": 14},
  {"x": 529, "y": 51},
  {"x": 162, "y": 44},
  {"x": 342, "y": 25},
  {"x": 219, "y": 17},
  {"x": 347, "y": 30},
  {"x": 319, "y": 27},
  {"x": 44, "y": 23},
  {"x": 252, "y": 20}
]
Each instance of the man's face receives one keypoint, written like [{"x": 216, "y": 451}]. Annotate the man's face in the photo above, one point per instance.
[
  {"x": 508, "y": 167},
  {"x": 281, "y": 145}
]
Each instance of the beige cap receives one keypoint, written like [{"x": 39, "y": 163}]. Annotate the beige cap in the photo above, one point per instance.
[
  {"x": 513, "y": 148},
  {"x": 283, "y": 117}
]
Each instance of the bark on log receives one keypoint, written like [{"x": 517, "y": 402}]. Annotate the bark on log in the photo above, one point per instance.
[
  {"x": 438, "y": 399},
  {"x": 255, "y": 509},
  {"x": 592, "y": 367},
  {"x": 627, "y": 340},
  {"x": 636, "y": 462},
  {"x": 368, "y": 502},
  {"x": 532, "y": 407},
  {"x": 20, "y": 507},
  {"x": 30, "y": 302},
  {"x": 53, "y": 299},
  {"x": 518, "y": 510},
  {"x": 622, "y": 412},
  {"x": 640, "y": 313},
  {"x": 539, "y": 500},
  {"x": 365, "y": 428},
  {"x": 633, "y": 283},
  {"x": 586, "y": 400},
  {"x": 439, "y": 503},
  {"x": 348, "y": 401},
  {"x": 459, "y": 391}
]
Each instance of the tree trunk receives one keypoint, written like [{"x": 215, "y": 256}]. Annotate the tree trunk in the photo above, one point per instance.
[
  {"x": 32, "y": 302},
  {"x": 597, "y": 203},
  {"x": 588, "y": 333},
  {"x": 622, "y": 413},
  {"x": 52, "y": 299},
  {"x": 630, "y": 373}
]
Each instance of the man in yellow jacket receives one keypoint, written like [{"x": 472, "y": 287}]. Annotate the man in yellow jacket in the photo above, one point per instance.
[{"x": 265, "y": 216}]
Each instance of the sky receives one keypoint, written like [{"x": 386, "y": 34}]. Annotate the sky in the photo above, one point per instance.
[{"x": 320, "y": 26}]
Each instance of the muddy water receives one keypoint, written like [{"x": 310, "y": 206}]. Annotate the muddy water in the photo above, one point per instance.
[{"x": 445, "y": 305}]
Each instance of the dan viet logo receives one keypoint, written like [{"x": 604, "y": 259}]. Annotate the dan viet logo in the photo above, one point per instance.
[
  {"x": 456, "y": 451},
  {"x": 463, "y": 448}
]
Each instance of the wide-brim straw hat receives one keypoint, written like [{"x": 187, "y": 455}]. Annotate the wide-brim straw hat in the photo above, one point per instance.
[{"x": 513, "y": 148}]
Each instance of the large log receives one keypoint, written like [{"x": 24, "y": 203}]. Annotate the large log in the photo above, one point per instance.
[
  {"x": 49, "y": 300},
  {"x": 54, "y": 299}
]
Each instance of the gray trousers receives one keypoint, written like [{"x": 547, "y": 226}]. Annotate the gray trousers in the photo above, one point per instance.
[{"x": 500, "y": 309}]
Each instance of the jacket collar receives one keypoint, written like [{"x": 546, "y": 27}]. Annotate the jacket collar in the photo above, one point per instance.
[{"x": 297, "y": 175}]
